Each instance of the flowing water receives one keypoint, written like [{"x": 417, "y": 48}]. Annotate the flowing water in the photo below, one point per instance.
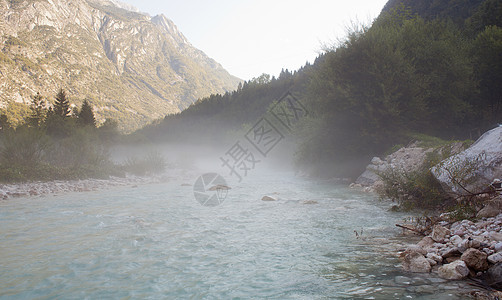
[{"x": 156, "y": 242}]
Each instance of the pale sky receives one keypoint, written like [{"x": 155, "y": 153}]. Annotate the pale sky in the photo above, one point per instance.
[{"x": 252, "y": 37}]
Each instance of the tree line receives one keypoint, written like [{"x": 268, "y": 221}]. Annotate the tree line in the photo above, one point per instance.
[
  {"x": 56, "y": 141},
  {"x": 399, "y": 78},
  {"x": 381, "y": 86}
]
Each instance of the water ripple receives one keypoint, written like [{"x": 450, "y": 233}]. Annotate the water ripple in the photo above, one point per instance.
[{"x": 157, "y": 242}]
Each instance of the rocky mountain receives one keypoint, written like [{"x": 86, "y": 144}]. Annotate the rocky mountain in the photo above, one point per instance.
[{"x": 131, "y": 67}]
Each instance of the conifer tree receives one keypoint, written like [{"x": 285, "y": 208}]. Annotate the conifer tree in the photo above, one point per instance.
[
  {"x": 38, "y": 111},
  {"x": 86, "y": 115},
  {"x": 4, "y": 122},
  {"x": 62, "y": 105}
]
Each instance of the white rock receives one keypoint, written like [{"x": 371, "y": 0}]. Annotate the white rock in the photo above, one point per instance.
[
  {"x": 432, "y": 262},
  {"x": 439, "y": 233},
  {"x": 495, "y": 258},
  {"x": 456, "y": 240},
  {"x": 498, "y": 247},
  {"x": 426, "y": 243},
  {"x": 377, "y": 161},
  {"x": 416, "y": 263},
  {"x": 435, "y": 257},
  {"x": 454, "y": 271},
  {"x": 487, "y": 150},
  {"x": 496, "y": 236}
]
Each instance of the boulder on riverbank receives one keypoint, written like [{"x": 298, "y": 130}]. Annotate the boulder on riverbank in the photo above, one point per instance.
[
  {"x": 476, "y": 167},
  {"x": 475, "y": 259},
  {"x": 415, "y": 262},
  {"x": 454, "y": 271},
  {"x": 491, "y": 209},
  {"x": 407, "y": 158}
]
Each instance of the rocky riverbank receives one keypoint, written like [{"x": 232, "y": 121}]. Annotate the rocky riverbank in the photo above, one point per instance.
[
  {"x": 27, "y": 189},
  {"x": 40, "y": 188},
  {"x": 455, "y": 250},
  {"x": 460, "y": 250}
]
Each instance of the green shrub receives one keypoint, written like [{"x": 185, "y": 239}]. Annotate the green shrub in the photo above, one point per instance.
[
  {"x": 416, "y": 189},
  {"x": 419, "y": 189},
  {"x": 23, "y": 147}
]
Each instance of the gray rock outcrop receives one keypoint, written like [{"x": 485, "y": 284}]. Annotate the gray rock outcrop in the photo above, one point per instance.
[
  {"x": 407, "y": 158},
  {"x": 476, "y": 166}
]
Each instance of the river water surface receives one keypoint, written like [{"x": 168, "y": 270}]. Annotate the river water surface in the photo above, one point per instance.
[{"x": 156, "y": 242}]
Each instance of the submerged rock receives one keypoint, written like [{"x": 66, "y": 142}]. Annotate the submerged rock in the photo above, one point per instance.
[
  {"x": 309, "y": 202},
  {"x": 219, "y": 187},
  {"x": 268, "y": 198}
]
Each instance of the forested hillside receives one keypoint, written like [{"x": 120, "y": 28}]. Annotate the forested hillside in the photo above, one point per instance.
[
  {"x": 403, "y": 76},
  {"x": 457, "y": 10}
]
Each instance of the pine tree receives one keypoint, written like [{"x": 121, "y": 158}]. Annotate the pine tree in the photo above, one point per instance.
[
  {"x": 86, "y": 115},
  {"x": 4, "y": 122},
  {"x": 38, "y": 111},
  {"x": 62, "y": 105}
]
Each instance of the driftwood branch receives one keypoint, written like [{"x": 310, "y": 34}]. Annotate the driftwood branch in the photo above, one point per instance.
[
  {"x": 411, "y": 229},
  {"x": 455, "y": 181}
]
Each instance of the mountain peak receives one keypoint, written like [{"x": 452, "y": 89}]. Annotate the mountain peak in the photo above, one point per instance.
[
  {"x": 132, "y": 67},
  {"x": 169, "y": 27}
]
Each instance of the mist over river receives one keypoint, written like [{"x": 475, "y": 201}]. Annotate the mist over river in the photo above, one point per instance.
[{"x": 157, "y": 242}]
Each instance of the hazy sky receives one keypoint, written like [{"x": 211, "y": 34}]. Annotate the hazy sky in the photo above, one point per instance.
[{"x": 251, "y": 37}]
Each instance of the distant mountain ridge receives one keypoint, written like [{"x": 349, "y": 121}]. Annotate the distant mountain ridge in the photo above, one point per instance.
[{"x": 132, "y": 67}]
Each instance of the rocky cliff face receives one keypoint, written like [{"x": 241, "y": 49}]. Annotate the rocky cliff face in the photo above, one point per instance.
[
  {"x": 131, "y": 67},
  {"x": 473, "y": 170}
]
